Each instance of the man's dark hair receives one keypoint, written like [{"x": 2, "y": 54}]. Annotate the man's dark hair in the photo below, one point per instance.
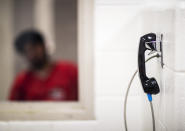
[{"x": 28, "y": 37}]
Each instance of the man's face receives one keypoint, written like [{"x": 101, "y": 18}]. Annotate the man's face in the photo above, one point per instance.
[{"x": 36, "y": 55}]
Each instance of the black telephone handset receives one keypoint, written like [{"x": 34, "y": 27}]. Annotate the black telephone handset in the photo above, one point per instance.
[{"x": 147, "y": 42}]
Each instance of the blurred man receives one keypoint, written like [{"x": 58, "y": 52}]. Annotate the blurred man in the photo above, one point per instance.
[{"x": 44, "y": 79}]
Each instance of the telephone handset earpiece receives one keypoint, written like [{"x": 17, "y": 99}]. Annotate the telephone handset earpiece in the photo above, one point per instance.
[{"x": 147, "y": 42}]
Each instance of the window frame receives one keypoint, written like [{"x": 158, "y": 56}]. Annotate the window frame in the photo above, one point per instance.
[{"x": 84, "y": 108}]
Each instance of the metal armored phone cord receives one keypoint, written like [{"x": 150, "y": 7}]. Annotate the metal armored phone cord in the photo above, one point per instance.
[{"x": 126, "y": 97}]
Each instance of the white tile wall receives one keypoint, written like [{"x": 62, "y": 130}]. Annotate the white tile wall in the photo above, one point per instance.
[
  {"x": 117, "y": 28},
  {"x": 179, "y": 105},
  {"x": 117, "y": 31},
  {"x": 180, "y": 39}
]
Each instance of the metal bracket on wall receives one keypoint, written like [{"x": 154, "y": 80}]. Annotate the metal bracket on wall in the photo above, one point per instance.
[{"x": 159, "y": 46}]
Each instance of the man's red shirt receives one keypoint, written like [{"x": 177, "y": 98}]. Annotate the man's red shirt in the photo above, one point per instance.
[{"x": 60, "y": 85}]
